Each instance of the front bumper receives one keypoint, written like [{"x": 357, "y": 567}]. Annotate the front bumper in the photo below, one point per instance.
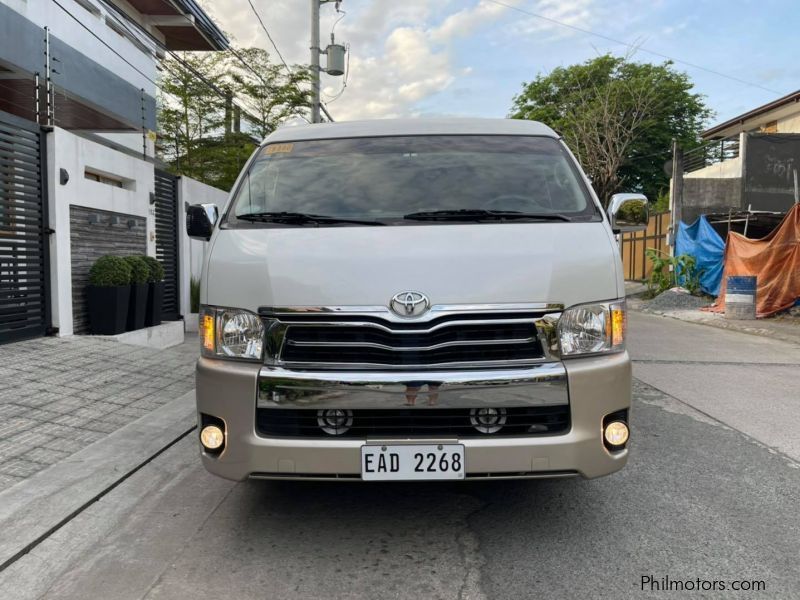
[{"x": 594, "y": 387}]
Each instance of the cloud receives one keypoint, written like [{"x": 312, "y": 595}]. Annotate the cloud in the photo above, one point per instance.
[
  {"x": 575, "y": 13},
  {"x": 402, "y": 52},
  {"x": 416, "y": 60}
]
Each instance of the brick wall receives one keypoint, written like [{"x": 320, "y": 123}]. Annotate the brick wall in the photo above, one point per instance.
[{"x": 94, "y": 233}]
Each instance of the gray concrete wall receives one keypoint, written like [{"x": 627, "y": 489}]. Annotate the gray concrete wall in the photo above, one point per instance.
[
  {"x": 111, "y": 234},
  {"x": 709, "y": 195}
]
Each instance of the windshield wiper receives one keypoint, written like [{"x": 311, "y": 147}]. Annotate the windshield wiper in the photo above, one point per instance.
[
  {"x": 480, "y": 214},
  {"x": 297, "y": 218}
]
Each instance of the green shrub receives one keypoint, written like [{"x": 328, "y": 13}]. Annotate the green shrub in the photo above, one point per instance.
[
  {"x": 671, "y": 271},
  {"x": 110, "y": 271},
  {"x": 140, "y": 272},
  {"x": 156, "y": 270},
  {"x": 194, "y": 295}
]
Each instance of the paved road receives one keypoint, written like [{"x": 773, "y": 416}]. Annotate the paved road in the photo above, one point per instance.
[{"x": 711, "y": 492}]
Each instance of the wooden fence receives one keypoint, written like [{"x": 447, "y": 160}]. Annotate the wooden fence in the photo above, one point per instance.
[{"x": 632, "y": 247}]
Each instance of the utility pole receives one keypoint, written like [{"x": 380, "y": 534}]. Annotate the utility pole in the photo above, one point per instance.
[
  {"x": 335, "y": 54},
  {"x": 315, "y": 69}
]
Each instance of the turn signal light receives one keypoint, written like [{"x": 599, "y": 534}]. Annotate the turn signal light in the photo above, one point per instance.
[
  {"x": 618, "y": 326},
  {"x": 207, "y": 331},
  {"x": 212, "y": 437}
]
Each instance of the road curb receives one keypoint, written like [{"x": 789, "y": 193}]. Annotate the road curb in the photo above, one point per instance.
[
  {"x": 33, "y": 509},
  {"x": 719, "y": 322}
]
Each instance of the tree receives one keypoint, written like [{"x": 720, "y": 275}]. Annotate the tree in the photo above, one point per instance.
[
  {"x": 618, "y": 117},
  {"x": 271, "y": 95},
  {"x": 190, "y": 111},
  {"x": 204, "y": 96}
]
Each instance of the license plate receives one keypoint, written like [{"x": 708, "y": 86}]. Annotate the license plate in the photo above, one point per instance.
[{"x": 408, "y": 462}]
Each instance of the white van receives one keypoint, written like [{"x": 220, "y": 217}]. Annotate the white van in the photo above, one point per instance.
[{"x": 413, "y": 299}]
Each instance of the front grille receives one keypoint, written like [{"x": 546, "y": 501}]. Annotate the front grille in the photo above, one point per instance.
[
  {"x": 422, "y": 422},
  {"x": 448, "y": 340}
]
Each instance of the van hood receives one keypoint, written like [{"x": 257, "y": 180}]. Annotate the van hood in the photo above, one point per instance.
[{"x": 566, "y": 263}]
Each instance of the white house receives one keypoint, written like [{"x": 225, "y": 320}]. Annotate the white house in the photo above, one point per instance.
[{"x": 78, "y": 175}]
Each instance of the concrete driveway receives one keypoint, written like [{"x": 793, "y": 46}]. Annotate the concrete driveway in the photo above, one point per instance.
[{"x": 709, "y": 498}]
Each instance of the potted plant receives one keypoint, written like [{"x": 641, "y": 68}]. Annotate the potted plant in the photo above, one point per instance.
[
  {"x": 155, "y": 295},
  {"x": 140, "y": 273},
  {"x": 108, "y": 294}
]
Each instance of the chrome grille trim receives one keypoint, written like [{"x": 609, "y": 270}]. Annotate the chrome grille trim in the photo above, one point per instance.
[
  {"x": 409, "y": 348},
  {"x": 281, "y": 320},
  {"x": 436, "y": 311}
]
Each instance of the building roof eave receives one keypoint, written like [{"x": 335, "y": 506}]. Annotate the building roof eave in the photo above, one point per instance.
[{"x": 794, "y": 97}]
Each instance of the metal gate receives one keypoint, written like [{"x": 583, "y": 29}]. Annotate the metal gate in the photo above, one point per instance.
[
  {"x": 167, "y": 241},
  {"x": 634, "y": 245},
  {"x": 24, "y": 261}
]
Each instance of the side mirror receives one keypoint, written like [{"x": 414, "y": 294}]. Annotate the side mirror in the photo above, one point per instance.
[
  {"x": 628, "y": 212},
  {"x": 200, "y": 220}
]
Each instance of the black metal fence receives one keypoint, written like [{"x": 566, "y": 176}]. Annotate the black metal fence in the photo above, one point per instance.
[
  {"x": 24, "y": 258},
  {"x": 711, "y": 153},
  {"x": 168, "y": 241}
]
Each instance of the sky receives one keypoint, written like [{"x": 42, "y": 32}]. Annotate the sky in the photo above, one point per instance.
[{"x": 471, "y": 57}]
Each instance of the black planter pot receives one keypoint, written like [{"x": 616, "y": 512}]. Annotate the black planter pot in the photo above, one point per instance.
[
  {"x": 155, "y": 300},
  {"x": 138, "y": 306},
  {"x": 108, "y": 309}
]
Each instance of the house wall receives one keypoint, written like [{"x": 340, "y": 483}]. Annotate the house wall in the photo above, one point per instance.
[
  {"x": 46, "y": 13},
  {"x": 725, "y": 169},
  {"x": 83, "y": 67},
  {"x": 192, "y": 251},
  {"x": 94, "y": 233},
  {"x": 75, "y": 154},
  {"x": 76, "y": 242},
  {"x": 789, "y": 124},
  {"x": 710, "y": 195}
]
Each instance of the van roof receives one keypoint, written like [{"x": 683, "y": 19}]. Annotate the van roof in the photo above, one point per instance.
[{"x": 422, "y": 126}]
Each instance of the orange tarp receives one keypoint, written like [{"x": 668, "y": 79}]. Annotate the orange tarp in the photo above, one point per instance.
[{"x": 775, "y": 260}]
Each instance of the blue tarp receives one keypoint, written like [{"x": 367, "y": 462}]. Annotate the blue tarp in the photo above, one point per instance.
[{"x": 701, "y": 241}]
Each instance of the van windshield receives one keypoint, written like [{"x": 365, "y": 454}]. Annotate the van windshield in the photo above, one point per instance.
[{"x": 408, "y": 179}]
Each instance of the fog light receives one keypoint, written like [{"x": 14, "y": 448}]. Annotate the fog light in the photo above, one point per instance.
[
  {"x": 212, "y": 437},
  {"x": 335, "y": 421},
  {"x": 488, "y": 420},
  {"x": 616, "y": 433}
]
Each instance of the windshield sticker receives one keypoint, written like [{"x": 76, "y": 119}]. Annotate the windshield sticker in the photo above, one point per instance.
[{"x": 279, "y": 149}]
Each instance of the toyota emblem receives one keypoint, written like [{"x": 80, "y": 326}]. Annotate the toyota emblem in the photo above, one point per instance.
[{"x": 409, "y": 304}]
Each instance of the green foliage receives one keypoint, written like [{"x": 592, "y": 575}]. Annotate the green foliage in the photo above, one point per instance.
[
  {"x": 661, "y": 205},
  {"x": 140, "y": 271},
  {"x": 618, "y": 117},
  {"x": 671, "y": 271},
  {"x": 156, "y": 271},
  {"x": 194, "y": 295},
  {"x": 197, "y": 131},
  {"x": 110, "y": 271}
]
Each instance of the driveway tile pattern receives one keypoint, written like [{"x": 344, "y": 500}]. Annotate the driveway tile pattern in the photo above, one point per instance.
[{"x": 58, "y": 395}]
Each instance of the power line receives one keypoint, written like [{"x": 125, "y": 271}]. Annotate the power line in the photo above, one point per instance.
[
  {"x": 177, "y": 58},
  {"x": 616, "y": 41},
  {"x": 271, "y": 41},
  {"x": 102, "y": 41},
  {"x": 283, "y": 60}
]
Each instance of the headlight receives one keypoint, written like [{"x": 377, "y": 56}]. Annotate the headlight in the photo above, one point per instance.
[
  {"x": 592, "y": 328},
  {"x": 231, "y": 333}
]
